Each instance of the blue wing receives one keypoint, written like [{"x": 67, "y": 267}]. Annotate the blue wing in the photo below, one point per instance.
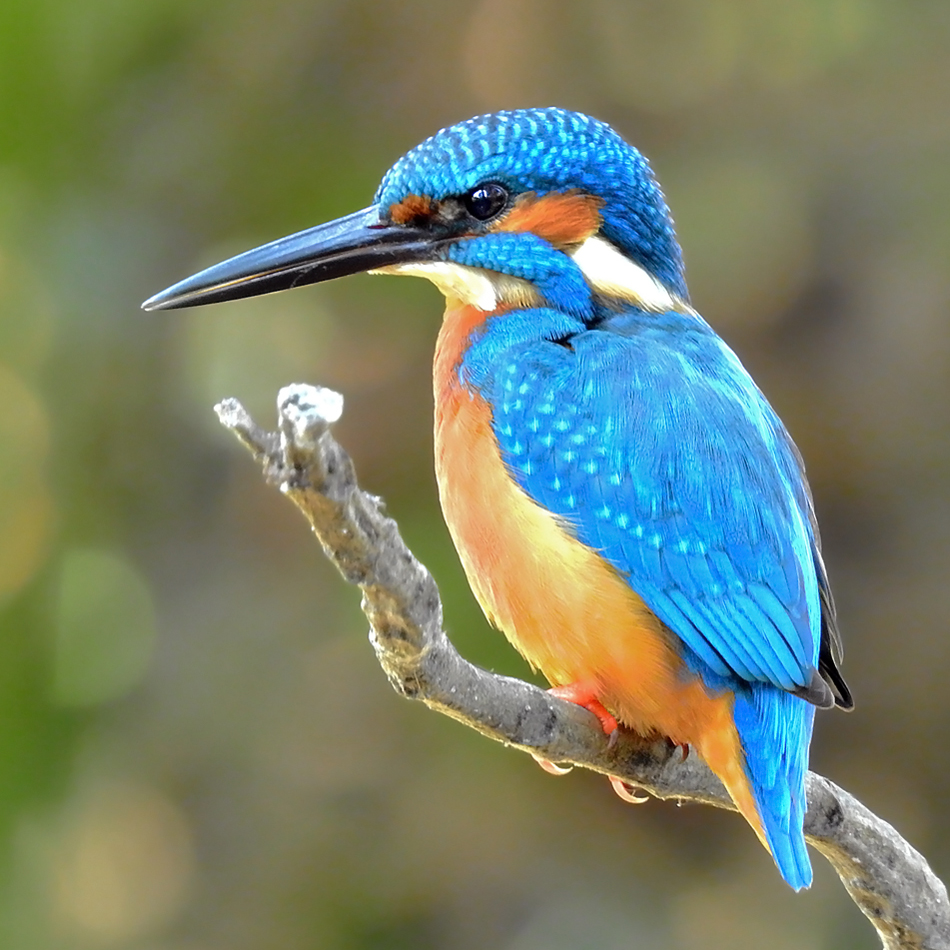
[{"x": 650, "y": 439}]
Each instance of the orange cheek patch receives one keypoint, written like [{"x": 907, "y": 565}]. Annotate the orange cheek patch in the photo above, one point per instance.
[
  {"x": 561, "y": 218},
  {"x": 411, "y": 208}
]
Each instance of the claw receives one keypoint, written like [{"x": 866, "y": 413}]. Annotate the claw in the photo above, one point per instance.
[
  {"x": 550, "y": 766},
  {"x": 626, "y": 792},
  {"x": 682, "y": 746}
]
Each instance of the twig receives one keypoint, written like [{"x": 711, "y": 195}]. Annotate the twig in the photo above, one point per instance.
[{"x": 890, "y": 881}]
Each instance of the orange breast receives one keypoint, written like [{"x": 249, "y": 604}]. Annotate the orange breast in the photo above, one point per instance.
[{"x": 565, "y": 609}]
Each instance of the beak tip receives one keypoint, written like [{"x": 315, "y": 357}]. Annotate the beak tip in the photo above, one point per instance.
[{"x": 168, "y": 299}]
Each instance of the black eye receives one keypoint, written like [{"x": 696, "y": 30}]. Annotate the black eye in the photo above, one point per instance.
[{"x": 485, "y": 201}]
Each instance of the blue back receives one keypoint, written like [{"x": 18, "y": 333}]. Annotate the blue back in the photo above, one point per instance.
[{"x": 650, "y": 440}]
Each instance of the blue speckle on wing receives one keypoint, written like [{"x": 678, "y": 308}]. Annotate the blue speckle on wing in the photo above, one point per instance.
[{"x": 674, "y": 467}]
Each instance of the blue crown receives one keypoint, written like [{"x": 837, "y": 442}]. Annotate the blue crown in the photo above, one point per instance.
[{"x": 545, "y": 150}]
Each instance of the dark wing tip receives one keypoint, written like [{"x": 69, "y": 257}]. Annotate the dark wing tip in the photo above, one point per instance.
[
  {"x": 830, "y": 652},
  {"x": 817, "y": 692},
  {"x": 829, "y": 656},
  {"x": 835, "y": 681},
  {"x": 826, "y": 688}
]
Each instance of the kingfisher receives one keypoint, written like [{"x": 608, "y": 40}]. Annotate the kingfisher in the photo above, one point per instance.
[{"x": 627, "y": 506}]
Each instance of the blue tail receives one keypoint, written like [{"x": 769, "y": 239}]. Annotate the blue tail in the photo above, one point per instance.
[{"x": 775, "y": 730}]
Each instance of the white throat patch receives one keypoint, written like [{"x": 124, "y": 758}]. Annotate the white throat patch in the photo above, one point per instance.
[{"x": 472, "y": 286}]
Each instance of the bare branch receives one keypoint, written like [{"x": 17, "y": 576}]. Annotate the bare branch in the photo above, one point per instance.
[{"x": 890, "y": 881}]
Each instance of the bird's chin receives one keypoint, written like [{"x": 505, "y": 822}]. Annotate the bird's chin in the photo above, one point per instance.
[{"x": 469, "y": 286}]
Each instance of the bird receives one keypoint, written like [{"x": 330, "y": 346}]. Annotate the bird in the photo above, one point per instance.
[{"x": 627, "y": 506}]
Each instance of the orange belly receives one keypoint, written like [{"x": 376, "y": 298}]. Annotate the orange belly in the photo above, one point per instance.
[{"x": 565, "y": 609}]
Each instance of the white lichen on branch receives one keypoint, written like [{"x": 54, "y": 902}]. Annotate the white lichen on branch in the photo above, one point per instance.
[{"x": 890, "y": 881}]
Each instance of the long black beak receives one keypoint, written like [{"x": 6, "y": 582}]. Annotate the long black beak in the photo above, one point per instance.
[{"x": 357, "y": 242}]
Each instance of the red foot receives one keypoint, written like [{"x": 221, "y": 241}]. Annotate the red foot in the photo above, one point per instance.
[{"x": 584, "y": 694}]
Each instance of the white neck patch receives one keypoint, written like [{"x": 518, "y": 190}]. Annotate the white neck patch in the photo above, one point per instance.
[{"x": 612, "y": 274}]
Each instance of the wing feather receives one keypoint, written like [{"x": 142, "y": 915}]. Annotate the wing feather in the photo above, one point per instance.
[{"x": 651, "y": 441}]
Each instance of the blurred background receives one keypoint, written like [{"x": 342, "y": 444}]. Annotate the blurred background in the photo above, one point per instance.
[{"x": 197, "y": 749}]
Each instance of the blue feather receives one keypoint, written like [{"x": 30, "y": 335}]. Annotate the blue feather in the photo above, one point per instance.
[
  {"x": 775, "y": 731},
  {"x": 703, "y": 473}
]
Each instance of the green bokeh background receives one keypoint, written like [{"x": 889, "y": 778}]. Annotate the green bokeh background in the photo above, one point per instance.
[{"x": 197, "y": 749}]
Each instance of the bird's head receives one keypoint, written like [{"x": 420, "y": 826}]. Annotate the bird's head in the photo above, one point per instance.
[{"x": 485, "y": 209}]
